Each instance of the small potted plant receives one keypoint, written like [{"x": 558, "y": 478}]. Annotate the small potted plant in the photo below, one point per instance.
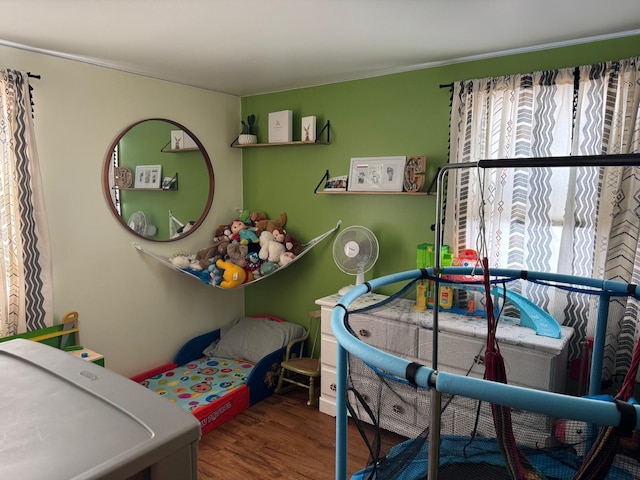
[{"x": 247, "y": 137}]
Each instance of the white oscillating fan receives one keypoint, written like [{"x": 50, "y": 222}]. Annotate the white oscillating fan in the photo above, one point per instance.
[
  {"x": 355, "y": 251},
  {"x": 138, "y": 223}
]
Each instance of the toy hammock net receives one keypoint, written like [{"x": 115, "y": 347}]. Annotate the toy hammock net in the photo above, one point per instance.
[{"x": 529, "y": 434}]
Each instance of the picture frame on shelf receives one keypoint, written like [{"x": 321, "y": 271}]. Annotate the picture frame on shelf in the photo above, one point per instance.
[
  {"x": 308, "y": 133},
  {"x": 168, "y": 183},
  {"x": 181, "y": 140},
  {"x": 376, "y": 174},
  {"x": 280, "y": 126},
  {"x": 336, "y": 184},
  {"x": 148, "y": 176}
]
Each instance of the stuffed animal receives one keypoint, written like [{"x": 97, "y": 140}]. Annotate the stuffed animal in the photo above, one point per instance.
[
  {"x": 237, "y": 253},
  {"x": 233, "y": 276},
  {"x": 285, "y": 258},
  {"x": 244, "y": 215},
  {"x": 221, "y": 251},
  {"x": 185, "y": 261},
  {"x": 257, "y": 216},
  {"x": 222, "y": 233},
  {"x": 216, "y": 275},
  {"x": 270, "y": 248},
  {"x": 270, "y": 225},
  {"x": 240, "y": 232},
  {"x": 292, "y": 244},
  {"x": 253, "y": 263},
  {"x": 572, "y": 433},
  {"x": 207, "y": 256},
  {"x": 268, "y": 267},
  {"x": 180, "y": 260},
  {"x": 279, "y": 236}
]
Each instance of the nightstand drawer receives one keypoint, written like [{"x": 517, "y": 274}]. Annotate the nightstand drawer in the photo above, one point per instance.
[{"x": 329, "y": 349}]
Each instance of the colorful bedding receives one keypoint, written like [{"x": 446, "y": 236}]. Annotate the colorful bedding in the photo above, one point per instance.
[
  {"x": 199, "y": 383},
  {"x": 205, "y": 379}
]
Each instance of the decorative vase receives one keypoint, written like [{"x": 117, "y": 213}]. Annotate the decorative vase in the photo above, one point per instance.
[{"x": 246, "y": 139}]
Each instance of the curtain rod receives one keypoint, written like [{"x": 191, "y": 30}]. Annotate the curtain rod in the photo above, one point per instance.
[
  {"x": 446, "y": 85},
  {"x": 606, "y": 160},
  {"x": 33, "y": 75}
]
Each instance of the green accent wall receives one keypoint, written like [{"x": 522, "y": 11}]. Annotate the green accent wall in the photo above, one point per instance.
[{"x": 399, "y": 114}]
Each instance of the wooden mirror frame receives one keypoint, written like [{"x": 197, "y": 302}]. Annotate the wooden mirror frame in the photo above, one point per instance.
[{"x": 108, "y": 183}]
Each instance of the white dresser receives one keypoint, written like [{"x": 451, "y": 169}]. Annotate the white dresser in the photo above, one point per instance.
[{"x": 531, "y": 361}]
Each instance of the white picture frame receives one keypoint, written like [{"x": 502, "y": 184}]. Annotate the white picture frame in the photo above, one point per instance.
[
  {"x": 148, "y": 176},
  {"x": 308, "y": 131},
  {"x": 280, "y": 126},
  {"x": 376, "y": 174}
]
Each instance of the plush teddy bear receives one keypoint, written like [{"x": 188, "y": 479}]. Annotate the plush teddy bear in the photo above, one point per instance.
[
  {"x": 240, "y": 232},
  {"x": 233, "y": 276},
  {"x": 207, "y": 256},
  {"x": 257, "y": 216},
  {"x": 270, "y": 225},
  {"x": 270, "y": 248},
  {"x": 237, "y": 253},
  {"x": 222, "y": 233}
]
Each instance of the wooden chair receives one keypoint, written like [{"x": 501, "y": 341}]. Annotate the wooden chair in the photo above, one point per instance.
[{"x": 298, "y": 369}]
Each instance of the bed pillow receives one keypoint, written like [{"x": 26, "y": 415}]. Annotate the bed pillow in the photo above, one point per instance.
[{"x": 253, "y": 338}]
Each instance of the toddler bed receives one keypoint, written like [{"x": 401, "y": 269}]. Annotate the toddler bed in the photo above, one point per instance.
[{"x": 217, "y": 375}]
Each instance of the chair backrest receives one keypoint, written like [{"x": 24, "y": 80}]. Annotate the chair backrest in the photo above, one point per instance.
[{"x": 314, "y": 324}]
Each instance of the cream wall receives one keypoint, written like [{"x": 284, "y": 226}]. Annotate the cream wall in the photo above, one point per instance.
[{"x": 132, "y": 309}]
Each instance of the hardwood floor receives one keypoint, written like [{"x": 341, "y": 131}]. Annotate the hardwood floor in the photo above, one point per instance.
[{"x": 278, "y": 438}]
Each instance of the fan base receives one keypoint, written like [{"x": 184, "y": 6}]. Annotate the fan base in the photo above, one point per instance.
[{"x": 346, "y": 289}]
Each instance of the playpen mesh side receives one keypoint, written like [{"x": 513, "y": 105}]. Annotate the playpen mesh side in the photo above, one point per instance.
[{"x": 394, "y": 421}]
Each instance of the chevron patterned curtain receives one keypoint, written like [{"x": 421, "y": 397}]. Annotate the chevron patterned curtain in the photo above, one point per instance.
[
  {"x": 575, "y": 221},
  {"x": 25, "y": 259}
]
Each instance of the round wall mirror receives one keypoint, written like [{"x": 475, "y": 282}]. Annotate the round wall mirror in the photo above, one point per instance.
[{"x": 158, "y": 180}]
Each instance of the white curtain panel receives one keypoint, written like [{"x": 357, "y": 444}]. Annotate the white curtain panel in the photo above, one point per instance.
[
  {"x": 25, "y": 258},
  {"x": 575, "y": 221}
]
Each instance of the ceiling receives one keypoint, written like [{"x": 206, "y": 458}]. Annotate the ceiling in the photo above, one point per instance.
[{"x": 247, "y": 47}]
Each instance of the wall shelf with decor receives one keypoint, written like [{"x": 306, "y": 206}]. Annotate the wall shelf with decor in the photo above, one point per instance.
[
  {"x": 179, "y": 150},
  {"x": 415, "y": 194},
  {"x": 171, "y": 185},
  {"x": 344, "y": 191},
  {"x": 326, "y": 128}
]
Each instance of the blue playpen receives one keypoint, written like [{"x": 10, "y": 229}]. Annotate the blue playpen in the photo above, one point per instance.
[{"x": 608, "y": 423}]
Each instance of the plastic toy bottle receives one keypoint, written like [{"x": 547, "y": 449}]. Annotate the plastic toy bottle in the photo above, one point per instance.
[
  {"x": 446, "y": 291},
  {"x": 421, "y": 297}
]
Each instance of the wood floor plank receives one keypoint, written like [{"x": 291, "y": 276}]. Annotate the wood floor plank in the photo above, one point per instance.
[{"x": 279, "y": 438}]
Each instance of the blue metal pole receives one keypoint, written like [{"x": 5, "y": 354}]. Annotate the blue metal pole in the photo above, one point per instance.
[{"x": 341, "y": 413}]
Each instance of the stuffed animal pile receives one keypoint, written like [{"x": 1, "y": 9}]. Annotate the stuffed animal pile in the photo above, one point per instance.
[{"x": 249, "y": 247}]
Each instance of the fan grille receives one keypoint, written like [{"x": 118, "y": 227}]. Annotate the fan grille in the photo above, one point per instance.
[{"x": 355, "y": 250}]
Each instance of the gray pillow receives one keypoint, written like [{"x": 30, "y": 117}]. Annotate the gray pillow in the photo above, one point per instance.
[{"x": 253, "y": 338}]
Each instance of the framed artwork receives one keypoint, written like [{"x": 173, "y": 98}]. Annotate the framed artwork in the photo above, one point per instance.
[
  {"x": 148, "y": 176},
  {"x": 376, "y": 174},
  {"x": 308, "y": 133},
  {"x": 336, "y": 184}
]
